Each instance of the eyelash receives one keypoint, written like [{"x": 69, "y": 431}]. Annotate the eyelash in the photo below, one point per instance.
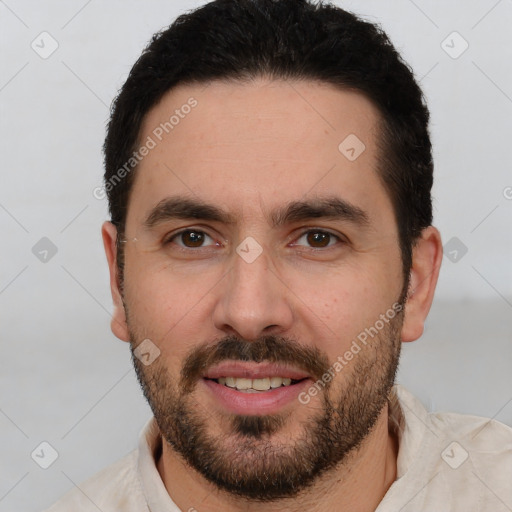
[{"x": 170, "y": 239}]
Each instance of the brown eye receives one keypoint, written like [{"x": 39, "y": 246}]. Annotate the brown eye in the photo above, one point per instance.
[
  {"x": 191, "y": 239},
  {"x": 318, "y": 238}
]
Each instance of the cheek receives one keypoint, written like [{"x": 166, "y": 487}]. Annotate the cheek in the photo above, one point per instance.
[
  {"x": 159, "y": 289},
  {"x": 341, "y": 304},
  {"x": 169, "y": 306}
]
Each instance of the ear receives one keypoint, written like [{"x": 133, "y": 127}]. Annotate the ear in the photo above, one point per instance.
[
  {"x": 426, "y": 262},
  {"x": 118, "y": 322}
]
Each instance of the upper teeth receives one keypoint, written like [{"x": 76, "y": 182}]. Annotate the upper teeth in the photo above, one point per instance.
[{"x": 258, "y": 384}]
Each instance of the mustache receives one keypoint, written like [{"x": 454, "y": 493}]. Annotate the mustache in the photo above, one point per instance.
[{"x": 271, "y": 349}]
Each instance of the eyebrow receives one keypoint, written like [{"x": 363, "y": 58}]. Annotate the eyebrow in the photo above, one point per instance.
[
  {"x": 332, "y": 208},
  {"x": 183, "y": 208}
]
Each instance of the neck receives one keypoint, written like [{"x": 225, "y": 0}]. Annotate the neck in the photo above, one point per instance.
[{"x": 358, "y": 485}]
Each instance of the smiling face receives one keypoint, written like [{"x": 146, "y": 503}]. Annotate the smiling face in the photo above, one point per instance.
[{"x": 257, "y": 250}]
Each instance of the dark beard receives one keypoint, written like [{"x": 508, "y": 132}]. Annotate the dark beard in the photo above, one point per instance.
[{"x": 246, "y": 461}]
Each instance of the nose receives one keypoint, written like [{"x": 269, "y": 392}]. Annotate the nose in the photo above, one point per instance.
[{"x": 253, "y": 301}]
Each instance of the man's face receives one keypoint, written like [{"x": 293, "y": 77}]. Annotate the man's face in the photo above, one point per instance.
[{"x": 275, "y": 251}]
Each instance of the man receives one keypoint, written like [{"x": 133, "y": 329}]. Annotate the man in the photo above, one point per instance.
[{"x": 268, "y": 169}]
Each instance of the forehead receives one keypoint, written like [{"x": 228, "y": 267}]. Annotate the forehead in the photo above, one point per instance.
[{"x": 265, "y": 142}]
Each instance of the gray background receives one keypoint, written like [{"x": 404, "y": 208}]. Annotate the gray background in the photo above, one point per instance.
[{"x": 64, "y": 378}]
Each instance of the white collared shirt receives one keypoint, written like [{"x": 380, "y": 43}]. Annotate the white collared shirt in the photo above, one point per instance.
[{"x": 446, "y": 462}]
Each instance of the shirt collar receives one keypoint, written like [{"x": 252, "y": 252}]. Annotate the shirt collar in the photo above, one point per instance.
[
  {"x": 150, "y": 447},
  {"x": 408, "y": 418}
]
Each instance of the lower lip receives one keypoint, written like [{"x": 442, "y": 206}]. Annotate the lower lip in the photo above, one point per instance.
[{"x": 260, "y": 403}]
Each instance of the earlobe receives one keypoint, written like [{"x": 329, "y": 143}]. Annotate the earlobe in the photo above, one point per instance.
[
  {"x": 426, "y": 263},
  {"x": 118, "y": 322}
]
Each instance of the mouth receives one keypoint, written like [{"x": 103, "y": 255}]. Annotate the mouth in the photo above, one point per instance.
[
  {"x": 259, "y": 385},
  {"x": 254, "y": 388}
]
